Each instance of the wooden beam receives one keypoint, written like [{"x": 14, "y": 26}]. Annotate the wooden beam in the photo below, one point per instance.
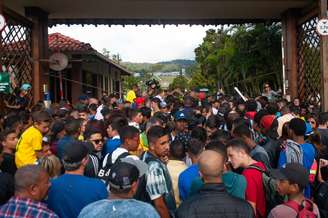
[
  {"x": 39, "y": 51},
  {"x": 324, "y": 58},
  {"x": 289, "y": 31}
]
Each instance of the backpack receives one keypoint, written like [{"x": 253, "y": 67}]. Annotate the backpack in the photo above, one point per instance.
[
  {"x": 272, "y": 197},
  {"x": 141, "y": 193},
  {"x": 321, "y": 198},
  {"x": 303, "y": 210},
  {"x": 107, "y": 165}
]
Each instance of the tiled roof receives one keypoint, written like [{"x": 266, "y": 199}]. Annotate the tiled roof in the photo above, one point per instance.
[{"x": 61, "y": 43}]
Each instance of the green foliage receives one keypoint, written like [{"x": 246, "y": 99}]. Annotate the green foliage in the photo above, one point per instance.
[
  {"x": 129, "y": 81},
  {"x": 179, "y": 82},
  {"x": 245, "y": 56}
]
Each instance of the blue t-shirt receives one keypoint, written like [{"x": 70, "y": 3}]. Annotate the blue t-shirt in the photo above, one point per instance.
[
  {"x": 185, "y": 180},
  {"x": 69, "y": 194},
  {"x": 308, "y": 158},
  {"x": 111, "y": 145}
]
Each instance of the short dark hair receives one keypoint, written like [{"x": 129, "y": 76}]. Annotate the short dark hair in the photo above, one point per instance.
[
  {"x": 133, "y": 113},
  {"x": 298, "y": 126},
  {"x": 212, "y": 122},
  {"x": 251, "y": 105},
  {"x": 92, "y": 130},
  {"x": 242, "y": 130},
  {"x": 218, "y": 147},
  {"x": 128, "y": 132},
  {"x": 154, "y": 133},
  {"x": 72, "y": 126},
  {"x": 156, "y": 100},
  {"x": 5, "y": 133},
  {"x": 258, "y": 116},
  {"x": 118, "y": 123},
  {"x": 195, "y": 146},
  {"x": 238, "y": 144},
  {"x": 199, "y": 133},
  {"x": 41, "y": 116},
  {"x": 177, "y": 150},
  {"x": 323, "y": 118},
  {"x": 221, "y": 136},
  {"x": 146, "y": 112}
]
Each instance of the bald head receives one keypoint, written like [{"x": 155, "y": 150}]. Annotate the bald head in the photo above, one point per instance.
[
  {"x": 211, "y": 164},
  {"x": 27, "y": 176}
]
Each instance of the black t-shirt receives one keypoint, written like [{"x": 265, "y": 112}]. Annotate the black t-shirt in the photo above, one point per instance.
[
  {"x": 6, "y": 187},
  {"x": 8, "y": 165}
]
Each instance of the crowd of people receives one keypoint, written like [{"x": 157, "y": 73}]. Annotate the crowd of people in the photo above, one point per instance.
[{"x": 165, "y": 154}]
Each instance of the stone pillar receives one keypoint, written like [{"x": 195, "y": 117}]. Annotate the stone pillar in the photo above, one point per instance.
[
  {"x": 289, "y": 31},
  {"x": 323, "y": 58},
  {"x": 76, "y": 77},
  {"x": 40, "y": 50}
]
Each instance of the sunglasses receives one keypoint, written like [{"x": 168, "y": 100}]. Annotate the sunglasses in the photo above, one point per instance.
[{"x": 98, "y": 141}]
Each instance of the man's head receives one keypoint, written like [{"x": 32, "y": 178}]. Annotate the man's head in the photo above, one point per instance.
[
  {"x": 251, "y": 105},
  {"x": 158, "y": 140},
  {"x": 32, "y": 181},
  {"x": 177, "y": 150},
  {"x": 8, "y": 139},
  {"x": 242, "y": 132},
  {"x": 297, "y": 127},
  {"x": 292, "y": 179},
  {"x": 181, "y": 122},
  {"x": 41, "y": 121},
  {"x": 211, "y": 166},
  {"x": 323, "y": 119},
  {"x": 73, "y": 127},
  {"x": 84, "y": 113},
  {"x": 94, "y": 135},
  {"x": 136, "y": 116},
  {"x": 75, "y": 156},
  {"x": 194, "y": 148},
  {"x": 130, "y": 137},
  {"x": 115, "y": 125},
  {"x": 124, "y": 175},
  {"x": 155, "y": 104},
  {"x": 266, "y": 87},
  {"x": 238, "y": 153}
]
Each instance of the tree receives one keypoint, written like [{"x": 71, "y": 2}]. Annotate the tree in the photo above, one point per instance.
[
  {"x": 179, "y": 82},
  {"x": 245, "y": 56},
  {"x": 106, "y": 53}
]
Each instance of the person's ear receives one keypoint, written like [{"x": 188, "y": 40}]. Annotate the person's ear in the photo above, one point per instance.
[
  {"x": 134, "y": 187},
  {"x": 33, "y": 189},
  {"x": 85, "y": 160},
  {"x": 293, "y": 188}
]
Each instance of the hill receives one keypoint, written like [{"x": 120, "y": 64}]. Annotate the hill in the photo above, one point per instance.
[{"x": 164, "y": 66}]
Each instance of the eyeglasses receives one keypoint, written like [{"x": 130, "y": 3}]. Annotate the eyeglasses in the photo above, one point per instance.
[{"x": 98, "y": 141}]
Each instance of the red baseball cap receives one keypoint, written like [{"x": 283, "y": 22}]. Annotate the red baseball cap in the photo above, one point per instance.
[{"x": 267, "y": 121}]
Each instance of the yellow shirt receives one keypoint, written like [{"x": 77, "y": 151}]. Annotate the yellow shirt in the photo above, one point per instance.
[
  {"x": 28, "y": 144},
  {"x": 130, "y": 96}
]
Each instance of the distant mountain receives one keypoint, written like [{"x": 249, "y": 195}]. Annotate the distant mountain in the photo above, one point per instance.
[
  {"x": 181, "y": 62},
  {"x": 163, "y": 66}
]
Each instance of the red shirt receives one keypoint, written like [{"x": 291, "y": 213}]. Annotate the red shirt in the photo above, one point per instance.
[{"x": 255, "y": 190}]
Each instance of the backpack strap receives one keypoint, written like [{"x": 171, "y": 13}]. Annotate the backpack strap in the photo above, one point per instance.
[
  {"x": 306, "y": 203},
  {"x": 294, "y": 205},
  {"x": 256, "y": 168}
]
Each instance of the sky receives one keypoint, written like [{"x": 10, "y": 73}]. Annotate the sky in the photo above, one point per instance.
[{"x": 140, "y": 43}]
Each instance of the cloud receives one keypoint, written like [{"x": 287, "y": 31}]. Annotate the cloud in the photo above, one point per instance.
[{"x": 140, "y": 43}]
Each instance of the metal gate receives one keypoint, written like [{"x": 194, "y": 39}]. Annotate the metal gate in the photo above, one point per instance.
[
  {"x": 16, "y": 49},
  {"x": 308, "y": 61}
]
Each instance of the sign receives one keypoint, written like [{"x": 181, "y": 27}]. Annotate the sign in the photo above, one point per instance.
[
  {"x": 4, "y": 82},
  {"x": 2, "y": 22},
  {"x": 322, "y": 27}
]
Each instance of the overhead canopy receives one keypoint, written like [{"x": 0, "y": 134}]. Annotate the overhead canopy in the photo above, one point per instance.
[{"x": 158, "y": 11}]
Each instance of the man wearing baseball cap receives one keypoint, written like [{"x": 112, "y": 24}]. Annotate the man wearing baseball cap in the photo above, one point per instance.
[
  {"x": 123, "y": 182},
  {"x": 291, "y": 182},
  {"x": 72, "y": 191}
]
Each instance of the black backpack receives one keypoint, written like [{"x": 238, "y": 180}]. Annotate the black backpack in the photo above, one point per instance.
[{"x": 107, "y": 165}]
